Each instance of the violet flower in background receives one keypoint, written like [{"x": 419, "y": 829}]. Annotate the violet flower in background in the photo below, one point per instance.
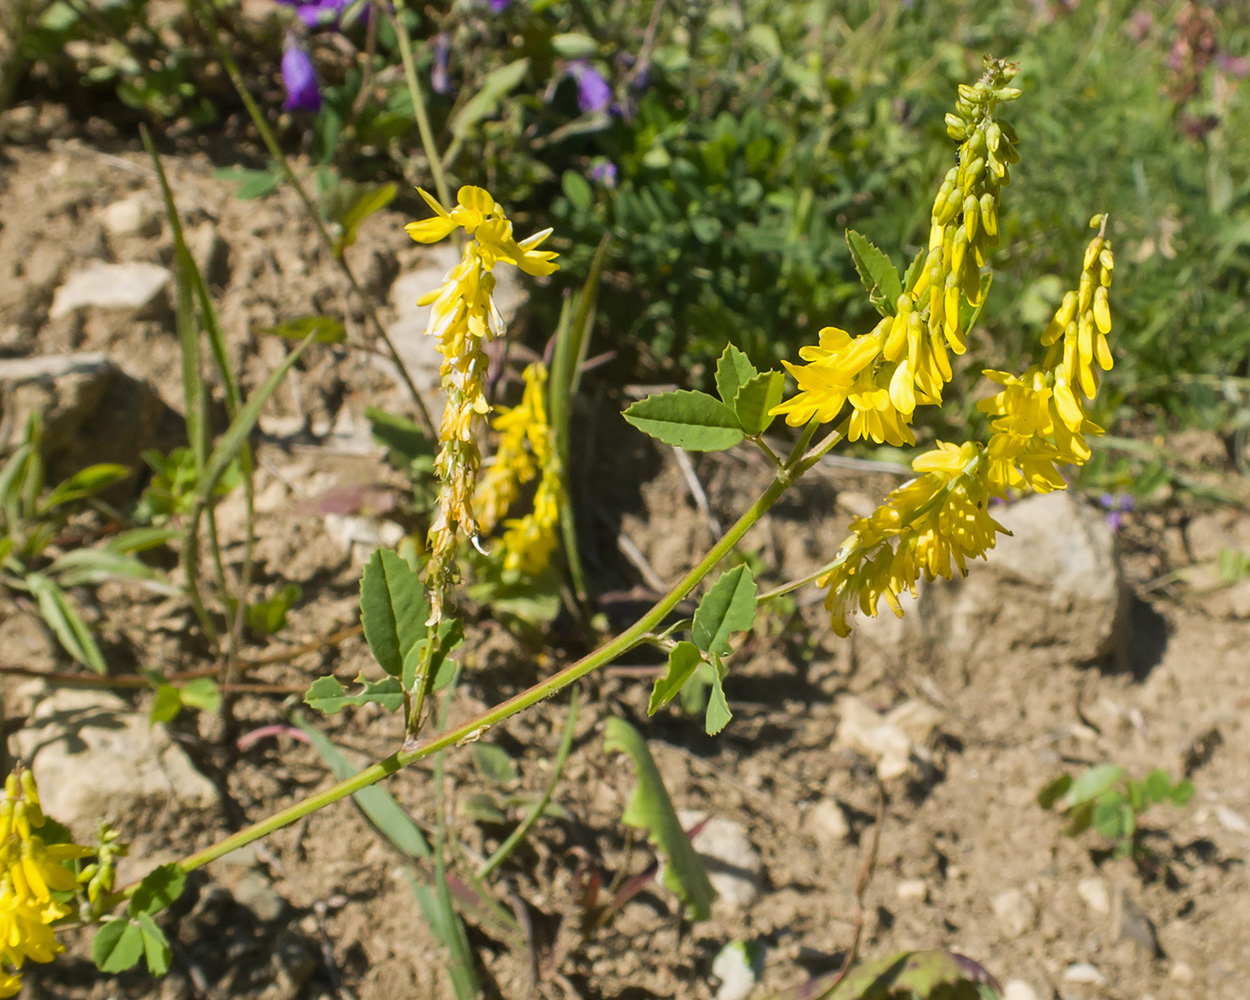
[
  {"x": 1116, "y": 505},
  {"x": 593, "y": 92},
  {"x": 300, "y": 78},
  {"x": 317, "y": 13},
  {"x": 440, "y": 82},
  {"x": 499, "y": 6},
  {"x": 604, "y": 172}
]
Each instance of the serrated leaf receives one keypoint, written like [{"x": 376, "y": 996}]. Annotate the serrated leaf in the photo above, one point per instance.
[
  {"x": 733, "y": 371},
  {"x": 382, "y": 810},
  {"x": 495, "y": 85},
  {"x": 202, "y": 693},
  {"x": 1090, "y": 785},
  {"x": 718, "y": 714},
  {"x": 683, "y": 660},
  {"x": 727, "y": 608},
  {"x": 166, "y": 704},
  {"x": 393, "y": 609},
  {"x": 877, "y": 273},
  {"x": 156, "y": 950},
  {"x": 914, "y": 271},
  {"x": 70, "y": 629},
  {"x": 326, "y": 329},
  {"x": 493, "y": 763},
  {"x": 327, "y": 695},
  {"x": 691, "y": 420},
  {"x": 160, "y": 887},
  {"x": 649, "y": 808},
  {"x": 117, "y": 946},
  {"x": 756, "y": 398}
]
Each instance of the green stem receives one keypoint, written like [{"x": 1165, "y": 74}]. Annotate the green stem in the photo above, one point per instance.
[
  {"x": 418, "y": 106},
  {"x": 477, "y": 726},
  {"x": 557, "y": 768},
  {"x": 207, "y": 18}
]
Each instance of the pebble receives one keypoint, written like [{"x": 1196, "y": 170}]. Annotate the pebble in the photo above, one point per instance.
[
  {"x": 732, "y": 862},
  {"x": 735, "y": 970},
  {"x": 863, "y": 729},
  {"x": 1018, "y": 989},
  {"x": 825, "y": 822},
  {"x": 134, "y": 214},
  {"x": 912, "y": 890},
  {"x": 1083, "y": 972},
  {"x": 1094, "y": 892},
  {"x": 254, "y": 892},
  {"x": 1232, "y": 821},
  {"x": 1015, "y": 912},
  {"x": 109, "y": 286},
  {"x": 1181, "y": 972}
]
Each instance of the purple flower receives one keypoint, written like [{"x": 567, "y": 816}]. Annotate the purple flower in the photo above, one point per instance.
[
  {"x": 593, "y": 92},
  {"x": 317, "y": 13},
  {"x": 439, "y": 81},
  {"x": 1116, "y": 505},
  {"x": 499, "y": 6},
  {"x": 604, "y": 171},
  {"x": 300, "y": 78}
]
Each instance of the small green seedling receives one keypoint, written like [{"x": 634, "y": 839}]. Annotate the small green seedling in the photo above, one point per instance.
[{"x": 1103, "y": 798}]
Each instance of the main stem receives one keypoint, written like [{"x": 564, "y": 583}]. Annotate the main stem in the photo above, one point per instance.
[{"x": 475, "y": 727}]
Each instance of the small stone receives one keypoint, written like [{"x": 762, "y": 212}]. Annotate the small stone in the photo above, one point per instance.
[
  {"x": 109, "y": 286},
  {"x": 1232, "y": 821},
  {"x": 732, "y": 862},
  {"x": 1015, "y": 912},
  {"x": 912, "y": 890},
  {"x": 359, "y": 536},
  {"x": 1129, "y": 922},
  {"x": 1018, "y": 989},
  {"x": 1238, "y": 598},
  {"x": 735, "y": 970},
  {"x": 254, "y": 892},
  {"x": 865, "y": 730},
  {"x": 826, "y": 823},
  {"x": 1083, "y": 972},
  {"x": 78, "y": 741},
  {"x": 135, "y": 214},
  {"x": 1181, "y": 972},
  {"x": 1094, "y": 892}
]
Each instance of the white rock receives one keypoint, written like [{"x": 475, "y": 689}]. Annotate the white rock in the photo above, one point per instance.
[
  {"x": 109, "y": 286},
  {"x": 1181, "y": 972},
  {"x": 1239, "y": 599},
  {"x": 733, "y": 967},
  {"x": 1018, "y": 989},
  {"x": 1015, "y": 912},
  {"x": 1094, "y": 892},
  {"x": 359, "y": 536},
  {"x": 732, "y": 862},
  {"x": 1232, "y": 821},
  {"x": 866, "y": 730},
  {"x": 912, "y": 890},
  {"x": 1083, "y": 972},
  {"x": 825, "y": 822},
  {"x": 918, "y": 719},
  {"x": 134, "y": 214},
  {"x": 95, "y": 758}
]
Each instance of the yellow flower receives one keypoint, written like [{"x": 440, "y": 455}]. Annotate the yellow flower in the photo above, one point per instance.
[
  {"x": 522, "y": 452},
  {"x": 826, "y": 381},
  {"x": 463, "y": 316},
  {"x": 1077, "y": 335},
  {"x": 529, "y": 542},
  {"x": 30, "y": 872}
]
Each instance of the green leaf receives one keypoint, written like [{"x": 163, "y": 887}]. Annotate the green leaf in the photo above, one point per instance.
[
  {"x": 727, "y": 608},
  {"x": 577, "y": 189},
  {"x": 326, "y": 694},
  {"x": 877, "y": 272},
  {"x": 393, "y": 609},
  {"x": 1091, "y": 784},
  {"x": 269, "y": 617},
  {"x": 85, "y": 483},
  {"x": 493, "y": 763},
  {"x": 350, "y": 204},
  {"x": 325, "y": 329},
  {"x": 382, "y": 810},
  {"x": 756, "y": 398},
  {"x": 494, "y": 87},
  {"x": 911, "y": 974},
  {"x": 117, "y": 946},
  {"x": 166, "y": 704},
  {"x": 1053, "y": 790},
  {"x": 718, "y": 714},
  {"x": 202, "y": 693},
  {"x": 649, "y": 808},
  {"x": 141, "y": 539},
  {"x": 69, "y": 628},
  {"x": 249, "y": 183},
  {"x": 91, "y": 566},
  {"x": 448, "y": 928},
  {"x": 572, "y": 45},
  {"x": 411, "y": 449},
  {"x": 683, "y": 660},
  {"x": 482, "y": 808},
  {"x": 1182, "y": 792},
  {"x": 1158, "y": 786},
  {"x": 733, "y": 371},
  {"x": 156, "y": 950},
  {"x": 160, "y": 887},
  {"x": 968, "y": 313},
  {"x": 691, "y": 420},
  {"x": 447, "y": 641},
  {"x": 915, "y": 270}
]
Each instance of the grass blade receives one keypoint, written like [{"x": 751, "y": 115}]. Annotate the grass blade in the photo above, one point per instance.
[{"x": 70, "y": 629}]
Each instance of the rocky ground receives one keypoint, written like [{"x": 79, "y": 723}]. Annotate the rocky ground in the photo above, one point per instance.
[{"x": 1077, "y": 644}]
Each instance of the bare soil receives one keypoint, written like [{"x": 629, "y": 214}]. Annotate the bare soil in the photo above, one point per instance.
[{"x": 967, "y": 859}]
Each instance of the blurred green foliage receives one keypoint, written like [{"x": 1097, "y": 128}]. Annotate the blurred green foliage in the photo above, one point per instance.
[{"x": 735, "y": 142}]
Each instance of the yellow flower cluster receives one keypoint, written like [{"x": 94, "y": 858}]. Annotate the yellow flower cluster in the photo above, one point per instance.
[
  {"x": 939, "y": 520},
  {"x": 30, "y": 872},
  {"x": 904, "y": 361},
  {"x": 462, "y": 318},
  {"x": 526, "y": 449}
]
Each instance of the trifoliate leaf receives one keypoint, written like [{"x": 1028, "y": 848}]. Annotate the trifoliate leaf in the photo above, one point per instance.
[
  {"x": 160, "y": 887},
  {"x": 877, "y": 272},
  {"x": 393, "y": 609},
  {"x": 156, "y": 948},
  {"x": 117, "y": 946},
  {"x": 327, "y": 695},
  {"x": 733, "y": 371},
  {"x": 691, "y": 420},
  {"x": 756, "y": 398},
  {"x": 683, "y": 660},
  {"x": 718, "y": 714},
  {"x": 727, "y": 608}
]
